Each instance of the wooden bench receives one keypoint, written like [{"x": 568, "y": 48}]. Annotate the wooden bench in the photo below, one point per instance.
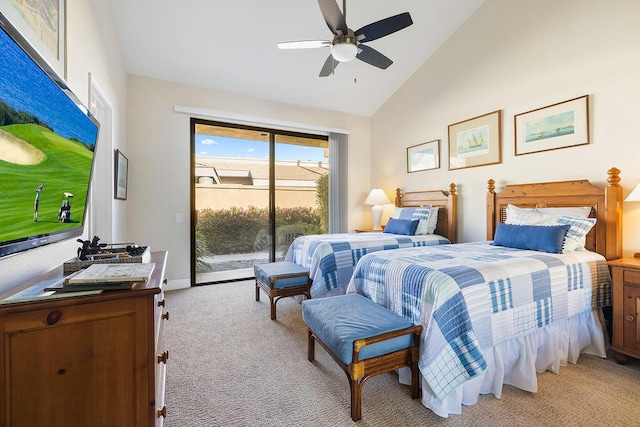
[
  {"x": 281, "y": 279},
  {"x": 364, "y": 338}
]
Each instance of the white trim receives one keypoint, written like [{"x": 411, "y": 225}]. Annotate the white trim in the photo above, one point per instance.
[{"x": 255, "y": 120}]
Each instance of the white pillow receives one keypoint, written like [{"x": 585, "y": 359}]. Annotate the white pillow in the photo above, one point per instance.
[{"x": 579, "y": 224}]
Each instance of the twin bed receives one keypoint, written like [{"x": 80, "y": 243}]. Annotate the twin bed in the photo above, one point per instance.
[
  {"x": 495, "y": 315},
  {"x": 331, "y": 258}
]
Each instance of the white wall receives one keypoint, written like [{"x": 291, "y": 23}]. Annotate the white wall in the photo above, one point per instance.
[
  {"x": 159, "y": 160},
  {"x": 517, "y": 56},
  {"x": 91, "y": 48}
]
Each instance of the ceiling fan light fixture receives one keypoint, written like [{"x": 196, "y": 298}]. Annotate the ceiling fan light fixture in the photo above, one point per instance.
[{"x": 344, "y": 52}]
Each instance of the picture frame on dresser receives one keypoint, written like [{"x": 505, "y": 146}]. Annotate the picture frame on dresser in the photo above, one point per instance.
[
  {"x": 561, "y": 125},
  {"x": 43, "y": 24},
  {"x": 476, "y": 141},
  {"x": 423, "y": 156}
]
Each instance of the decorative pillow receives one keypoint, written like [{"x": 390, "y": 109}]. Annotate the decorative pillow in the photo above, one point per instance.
[
  {"x": 579, "y": 225},
  {"x": 428, "y": 225},
  {"x": 545, "y": 238},
  {"x": 401, "y": 226},
  {"x": 422, "y": 215},
  {"x": 578, "y": 229},
  {"x": 404, "y": 213}
]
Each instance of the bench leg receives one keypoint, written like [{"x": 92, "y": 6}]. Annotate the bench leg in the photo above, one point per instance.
[
  {"x": 311, "y": 347},
  {"x": 356, "y": 399},
  {"x": 257, "y": 291},
  {"x": 415, "y": 380},
  {"x": 272, "y": 303}
]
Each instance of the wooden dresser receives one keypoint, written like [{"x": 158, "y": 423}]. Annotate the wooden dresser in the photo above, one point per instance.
[
  {"x": 93, "y": 360},
  {"x": 625, "y": 273}
]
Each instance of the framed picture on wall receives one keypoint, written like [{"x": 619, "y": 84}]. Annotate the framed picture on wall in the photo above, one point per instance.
[
  {"x": 42, "y": 23},
  {"x": 561, "y": 125},
  {"x": 121, "y": 176},
  {"x": 423, "y": 156},
  {"x": 476, "y": 141}
]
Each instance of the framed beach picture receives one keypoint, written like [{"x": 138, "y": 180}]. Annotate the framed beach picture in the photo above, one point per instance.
[
  {"x": 42, "y": 23},
  {"x": 423, "y": 156},
  {"x": 121, "y": 176},
  {"x": 561, "y": 125},
  {"x": 476, "y": 141}
]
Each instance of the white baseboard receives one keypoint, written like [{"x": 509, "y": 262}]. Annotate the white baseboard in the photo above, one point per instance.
[{"x": 175, "y": 284}]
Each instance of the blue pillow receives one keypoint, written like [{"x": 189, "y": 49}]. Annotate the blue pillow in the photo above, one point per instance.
[
  {"x": 545, "y": 238},
  {"x": 401, "y": 226}
]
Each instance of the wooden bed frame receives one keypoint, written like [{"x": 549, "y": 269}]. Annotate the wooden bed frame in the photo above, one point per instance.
[
  {"x": 447, "y": 201},
  {"x": 606, "y": 206}
]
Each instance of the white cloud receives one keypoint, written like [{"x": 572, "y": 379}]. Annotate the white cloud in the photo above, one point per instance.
[
  {"x": 250, "y": 150},
  {"x": 208, "y": 141}
]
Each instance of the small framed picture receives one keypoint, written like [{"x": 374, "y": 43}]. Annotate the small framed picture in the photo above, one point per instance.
[
  {"x": 561, "y": 125},
  {"x": 424, "y": 156},
  {"x": 476, "y": 141},
  {"x": 121, "y": 176}
]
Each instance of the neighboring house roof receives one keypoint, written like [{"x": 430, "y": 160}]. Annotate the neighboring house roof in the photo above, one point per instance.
[{"x": 226, "y": 170}]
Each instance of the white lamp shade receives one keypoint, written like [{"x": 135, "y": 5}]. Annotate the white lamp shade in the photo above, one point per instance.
[
  {"x": 634, "y": 196},
  {"x": 377, "y": 197}
]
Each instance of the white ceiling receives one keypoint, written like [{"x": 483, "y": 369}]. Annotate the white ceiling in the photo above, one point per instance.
[{"x": 230, "y": 46}]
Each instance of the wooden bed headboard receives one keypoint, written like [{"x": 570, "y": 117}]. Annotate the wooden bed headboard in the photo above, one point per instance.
[
  {"x": 606, "y": 206},
  {"x": 447, "y": 201}
]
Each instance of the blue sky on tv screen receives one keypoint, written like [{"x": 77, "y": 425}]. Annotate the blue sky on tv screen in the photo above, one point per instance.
[{"x": 25, "y": 87}]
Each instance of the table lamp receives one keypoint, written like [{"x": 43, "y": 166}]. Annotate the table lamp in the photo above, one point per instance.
[
  {"x": 634, "y": 196},
  {"x": 376, "y": 198}
]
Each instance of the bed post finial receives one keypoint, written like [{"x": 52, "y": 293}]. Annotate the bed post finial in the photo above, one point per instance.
[
  {"x": 452, "y": 188},
  {"x": 398, "y": 196},
  {"x": 491, "y": 186},
  {"x": 614, "y": 177}
]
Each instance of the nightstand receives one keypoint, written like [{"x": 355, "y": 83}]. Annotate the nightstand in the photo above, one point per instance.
[
  {"x": 625, "y": 273},
  {"x": 367, "y": 230}
]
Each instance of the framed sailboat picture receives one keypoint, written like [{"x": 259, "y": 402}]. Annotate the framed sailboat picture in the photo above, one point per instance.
[{"x": 476, "y": 141}]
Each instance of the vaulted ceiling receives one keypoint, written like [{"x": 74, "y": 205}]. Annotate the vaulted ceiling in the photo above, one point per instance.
[{"x": 230, "y": 46}]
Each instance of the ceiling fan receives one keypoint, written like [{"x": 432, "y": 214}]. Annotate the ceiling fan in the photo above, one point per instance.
[{"x": 348, "y": 44}]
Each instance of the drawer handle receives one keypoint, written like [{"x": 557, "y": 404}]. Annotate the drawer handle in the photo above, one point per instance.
[
  {"x": 165, "y": 315},
  {"x": 54, "y": 316},
  {"x": 629, "y": 317},
  {"x": 162, "y": 412},
  {"x": 161, "y": 303},
  {"x": 162, "y": 358}
]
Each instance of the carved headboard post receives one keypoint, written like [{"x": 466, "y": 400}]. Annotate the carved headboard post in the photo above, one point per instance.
[
  {"x": 491, "y": 209},
  {"x": 398, "y": 197},
  {"x": 613, "y": 215},
  {"x": 452, "y": 213}
]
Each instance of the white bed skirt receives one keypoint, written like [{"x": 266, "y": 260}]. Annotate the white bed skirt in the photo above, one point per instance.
[{"x": 516, "y": 362}]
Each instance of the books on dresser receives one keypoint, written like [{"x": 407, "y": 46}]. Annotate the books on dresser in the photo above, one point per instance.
[{"x": 112, "y": 274}]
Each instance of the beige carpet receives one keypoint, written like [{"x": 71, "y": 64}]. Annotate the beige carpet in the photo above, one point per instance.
[{"x": 231, "y": 365}]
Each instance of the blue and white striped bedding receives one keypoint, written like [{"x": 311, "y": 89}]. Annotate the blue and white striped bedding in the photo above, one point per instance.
[
  {"x": 331, "y": 258},
  {"x": 473, "y": 296}
]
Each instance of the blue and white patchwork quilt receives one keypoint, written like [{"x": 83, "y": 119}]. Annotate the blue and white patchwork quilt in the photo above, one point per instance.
[
  {"x": 331, "y": 258},
  {"x": 472, "y": 296}
]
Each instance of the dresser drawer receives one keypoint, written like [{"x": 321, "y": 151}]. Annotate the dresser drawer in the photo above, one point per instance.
[{"x": 631, "y": 277}]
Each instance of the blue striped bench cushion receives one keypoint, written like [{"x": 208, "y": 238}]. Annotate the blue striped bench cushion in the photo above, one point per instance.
[
  {"x": 340, "y": 320},
  {"x": 264, "y": 273}
]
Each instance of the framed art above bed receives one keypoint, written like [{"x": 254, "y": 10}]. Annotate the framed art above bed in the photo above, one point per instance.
[
  {"x": 561, "y": 125},
  {"x": 476, "y": 141}
]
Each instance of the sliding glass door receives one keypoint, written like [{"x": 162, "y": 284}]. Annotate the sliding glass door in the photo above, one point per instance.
[{"x": 254, "y": 191}]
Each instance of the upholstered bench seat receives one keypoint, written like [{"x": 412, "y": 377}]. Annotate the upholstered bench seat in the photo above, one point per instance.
[
  {"x": 364, "y": 338},
  {"x": 281, "y": 279}
]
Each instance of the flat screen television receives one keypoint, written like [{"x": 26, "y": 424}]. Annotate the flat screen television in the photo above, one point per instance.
[{"x": 47, "y": 145}]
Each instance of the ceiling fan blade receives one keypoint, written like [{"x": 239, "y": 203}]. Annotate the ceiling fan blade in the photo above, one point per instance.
[
  {"x": 304, "y": 44},
  {"x": 333, "y": 16},
  {"x": 329, "y": 65},
  {"x": 383, "y": 27},
  {"x": 373, "y": 57}
]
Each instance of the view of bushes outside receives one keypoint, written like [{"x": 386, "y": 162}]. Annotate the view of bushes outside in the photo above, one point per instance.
[{"x": 245, "y": 230}]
